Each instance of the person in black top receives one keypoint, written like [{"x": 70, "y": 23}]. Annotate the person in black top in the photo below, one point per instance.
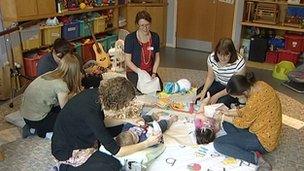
[
  {"x": 50, "y": 61},
  {"x": 142, "y": 49},
  {"x": 82, "y": 122}
]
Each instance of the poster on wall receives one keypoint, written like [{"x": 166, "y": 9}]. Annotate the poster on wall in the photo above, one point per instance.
[{"x": 227, "y": 1}]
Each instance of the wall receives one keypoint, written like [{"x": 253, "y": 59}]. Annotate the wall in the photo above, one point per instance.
[
  {"x": 237, "y": 24},
  {"x": 3, "y": 54},
  {"x": 171, "y": 23}
]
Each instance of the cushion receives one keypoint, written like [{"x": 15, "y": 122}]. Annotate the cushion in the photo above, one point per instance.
[{"x": 15, "y": 118}]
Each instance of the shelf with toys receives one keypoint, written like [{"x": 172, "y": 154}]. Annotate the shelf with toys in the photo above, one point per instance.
[
  {"x": 272, "y": 31},
  {"x": 29, "y": 44}
]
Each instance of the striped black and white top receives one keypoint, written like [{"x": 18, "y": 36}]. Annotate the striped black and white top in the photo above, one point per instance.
[{"x": 224, "y": 73}]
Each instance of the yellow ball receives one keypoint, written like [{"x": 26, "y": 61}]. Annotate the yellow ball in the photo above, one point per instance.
[{"x": 82, "y": 6}]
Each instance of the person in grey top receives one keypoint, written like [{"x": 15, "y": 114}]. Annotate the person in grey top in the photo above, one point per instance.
[{"x": 47, "y": 94}]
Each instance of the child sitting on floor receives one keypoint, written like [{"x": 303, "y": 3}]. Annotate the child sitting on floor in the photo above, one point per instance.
[{"x": 134, "y": 134}]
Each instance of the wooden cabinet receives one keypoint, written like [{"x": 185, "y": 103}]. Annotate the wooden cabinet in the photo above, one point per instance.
[
  {"x": 46, "y": 7},
  {"x": 158, "y": 13},
  {"x": 21, "y": 10}
]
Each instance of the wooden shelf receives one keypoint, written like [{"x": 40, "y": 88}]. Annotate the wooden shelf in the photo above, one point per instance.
[
  {"x": 278, "y": 26},
  {"x": 271, "y": 2},
  {"x": 86, "y": 10},
  {"x": 259, "y": 65},
  {"x": 122, "y": 5},
  {"x": 64, "y": 13},
  {"x": 146, "y": 4}
]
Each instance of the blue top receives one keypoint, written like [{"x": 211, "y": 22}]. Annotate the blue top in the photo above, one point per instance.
[
  {"x": 133, "y": 47},
  {"x": 46, "y": 64}
]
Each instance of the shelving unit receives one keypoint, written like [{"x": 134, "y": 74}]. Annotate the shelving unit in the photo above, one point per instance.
[{"x": 280, "y": 27}]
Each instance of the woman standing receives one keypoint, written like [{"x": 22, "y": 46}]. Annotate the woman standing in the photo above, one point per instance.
[
  {"x": 82, "y": 123},
  {"x": 223, "y": 63},
  {"x": 254, "y": 129},
  {"x": 47, "y": 94},
  {"x": 142, "y": 49}
]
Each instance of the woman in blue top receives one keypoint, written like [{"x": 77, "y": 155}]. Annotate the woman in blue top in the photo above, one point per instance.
[{"x": 142, "y": 49}]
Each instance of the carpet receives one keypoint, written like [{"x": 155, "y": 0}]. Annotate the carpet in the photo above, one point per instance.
[{"x": 34, "y": 153}]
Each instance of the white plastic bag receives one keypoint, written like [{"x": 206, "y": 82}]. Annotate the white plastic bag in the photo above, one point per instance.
[{"x": 146, "y": 84}]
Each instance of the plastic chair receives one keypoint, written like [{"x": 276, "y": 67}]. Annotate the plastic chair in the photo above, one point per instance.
[{"x": 282, "y": 69}]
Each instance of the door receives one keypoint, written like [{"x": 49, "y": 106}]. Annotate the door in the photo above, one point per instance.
[
  {"x": 196, "y": 21},
  {"x": 224, "y": 21}
]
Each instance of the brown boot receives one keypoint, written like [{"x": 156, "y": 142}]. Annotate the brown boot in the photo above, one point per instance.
[{"x": 2, "y": 156}]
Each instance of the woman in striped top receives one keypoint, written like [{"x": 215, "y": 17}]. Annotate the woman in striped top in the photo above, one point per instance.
[{"x": 223, "y": 63}]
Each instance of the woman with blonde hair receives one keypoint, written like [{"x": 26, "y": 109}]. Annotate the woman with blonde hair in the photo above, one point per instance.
[{"x": 47, "y": 94}]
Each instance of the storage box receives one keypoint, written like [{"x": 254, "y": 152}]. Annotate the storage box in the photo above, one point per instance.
[
  {"x": 78, "y": 49},
  {"x": 50, "y": 34},
  {"x": 88, "y": 52},
  {"x": 294, "y": 42},
  {"x": 30, "y": 65},
  {"x": 104, "y": 43},
  {"x": 258, "y": 49},
  {"x": 99, "y": 24},
  {"x": 287, "y": 55},
  {"x": 85, "y": 28},
  {"x": 30, "y": 38},
  {"x": 70, "y": 31},
  {"x": 111, "y": 41},
  {"x": 272, "y": 57}
]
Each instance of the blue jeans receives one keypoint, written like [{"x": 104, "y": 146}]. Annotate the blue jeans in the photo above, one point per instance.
[{"x": 239, "y": 143}]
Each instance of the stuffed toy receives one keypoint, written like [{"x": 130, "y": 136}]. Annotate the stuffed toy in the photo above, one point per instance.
[
  {"x": 181, "y": 86},
  {"x": 118, "y": 56}
]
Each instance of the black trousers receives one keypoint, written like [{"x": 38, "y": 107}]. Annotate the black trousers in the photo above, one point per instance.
[
  {"x": 46, "y": 124},
  {"x": 99, "y": 160},
  {"x": 133, "y": 77},
  {"x": 217, "y": 87}
]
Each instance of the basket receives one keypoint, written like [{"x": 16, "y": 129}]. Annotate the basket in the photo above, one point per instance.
[
  {"x": 31, "y": 64},
  {"x": 70, "y": 31},
  {"x": 30, "y": 38},
  {"x": 282, "y": 69},
  {"x": 85, "y": 28},
  {"x": 99, "y": 24},
  {"x": 50, "y": 34}
]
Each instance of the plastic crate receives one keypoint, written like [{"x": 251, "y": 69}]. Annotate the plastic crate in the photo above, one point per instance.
[
  {"x": 104, "y": 43},
  {"x": 78, "y": 49},
  {"x": 294, "y": 42},
  {"x": 30, "y": 38},
  {"x": 30, "y": 65},
  {"x": 111, "y": 41},
  {"x": 272, "y": 57},
  {"x": 85, "y": 28},
  {"x": 287, "y": 55},
  {"x": 50, "y": 34},
  {"x": 99, "y": 24},
  {"x": 88, "y": 52},
  {"x": 70, "y": 31}
]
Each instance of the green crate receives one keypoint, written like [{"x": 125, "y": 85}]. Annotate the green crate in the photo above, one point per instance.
[
  {"x": 78, "y": 49},
  {"x": 111, "y": 41},
  {"x": 104, "y": 42},
  {"x": 85, "y": 28}
]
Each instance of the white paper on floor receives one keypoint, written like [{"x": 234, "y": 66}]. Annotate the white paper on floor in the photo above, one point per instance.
[{"x": 292, "y": 122}]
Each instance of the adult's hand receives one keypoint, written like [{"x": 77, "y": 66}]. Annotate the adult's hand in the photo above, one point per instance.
[
  {"x": 154, "y": 139},
  {"x": 214, "y": 99},
  {"x": 136, "y": 121},
  {"x": 204, "y": 102},
  {"x": 201, "y": 95}
]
